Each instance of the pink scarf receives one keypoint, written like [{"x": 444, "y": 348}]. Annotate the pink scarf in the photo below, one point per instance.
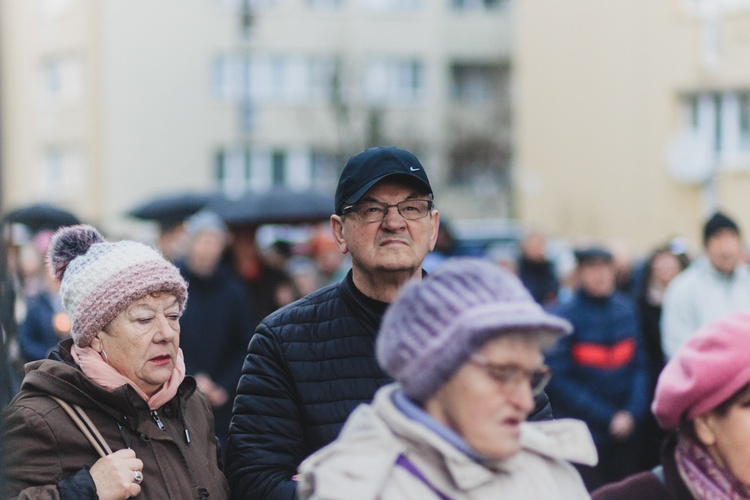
[
  {"x": 101, "y": 373},
  {"x": 703, "y": 477}
]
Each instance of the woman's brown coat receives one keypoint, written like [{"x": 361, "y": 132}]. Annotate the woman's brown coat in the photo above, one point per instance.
[{"x": 42, "y": 446}]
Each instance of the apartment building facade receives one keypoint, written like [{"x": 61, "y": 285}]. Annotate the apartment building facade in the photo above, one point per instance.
[
  {"x": 109, "y": 102},
  {"x": 632, "y": 117}
]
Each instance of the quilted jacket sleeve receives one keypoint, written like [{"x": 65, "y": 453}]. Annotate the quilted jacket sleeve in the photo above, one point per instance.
[{"x": 266, "y": 434}]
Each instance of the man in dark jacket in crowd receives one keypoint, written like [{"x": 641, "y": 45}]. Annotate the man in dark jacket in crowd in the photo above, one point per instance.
[
  {"x": 537, "y": 273},
  {"x": 312, "y": 362},
  {"x": 601, "y": 376},
  {"x": 216, "y": 328}
]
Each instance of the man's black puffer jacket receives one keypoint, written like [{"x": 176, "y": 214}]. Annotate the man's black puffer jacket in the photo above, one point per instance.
[{"x": 308, "y": 366}]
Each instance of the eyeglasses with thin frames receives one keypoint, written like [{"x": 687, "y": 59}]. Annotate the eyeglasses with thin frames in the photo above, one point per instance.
[
  {"x": 374, "y": 211},
  {"x": 512, "y": 376}
]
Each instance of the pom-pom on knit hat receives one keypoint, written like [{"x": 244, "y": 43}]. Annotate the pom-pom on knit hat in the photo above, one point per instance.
[
  {"x": 434, "y": 325},
  {"x": 99, "y": 279},
  {"x": 708, "y": 369}
]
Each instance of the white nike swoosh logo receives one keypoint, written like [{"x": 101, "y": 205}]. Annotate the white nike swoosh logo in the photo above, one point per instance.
[{"x": 413, "y": 169}]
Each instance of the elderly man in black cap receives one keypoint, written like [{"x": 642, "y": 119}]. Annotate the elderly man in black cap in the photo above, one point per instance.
[
  {"x": 312, "y": 362},
  {"x": 713, "y": 286}
]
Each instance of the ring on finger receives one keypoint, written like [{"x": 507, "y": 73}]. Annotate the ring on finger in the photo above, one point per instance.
[{"x": 137, "y": 477}]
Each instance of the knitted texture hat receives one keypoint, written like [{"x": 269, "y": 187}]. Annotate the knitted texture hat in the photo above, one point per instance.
[
  {"x": 434, "y": 325},
  {"x": 716, "y": 223},
  {"x": 708, "y": 369},
  {"x": 100, "y": 279}
]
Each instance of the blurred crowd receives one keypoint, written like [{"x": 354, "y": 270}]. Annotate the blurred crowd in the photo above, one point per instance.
[{"x": 605, "y": 372}]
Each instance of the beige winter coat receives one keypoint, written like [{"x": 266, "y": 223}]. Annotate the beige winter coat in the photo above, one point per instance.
[{"x": 361, "y": 463}]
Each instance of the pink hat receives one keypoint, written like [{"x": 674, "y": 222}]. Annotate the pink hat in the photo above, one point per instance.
[{"x": 706, "y": 371}]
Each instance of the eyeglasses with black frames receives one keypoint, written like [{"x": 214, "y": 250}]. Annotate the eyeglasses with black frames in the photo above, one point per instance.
[
  {"x": 512, "y": 376},
  {"x": 374, "y": 211}
]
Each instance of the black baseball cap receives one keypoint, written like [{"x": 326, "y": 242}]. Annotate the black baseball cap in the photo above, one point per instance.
[{"x": 372, "y": 165}]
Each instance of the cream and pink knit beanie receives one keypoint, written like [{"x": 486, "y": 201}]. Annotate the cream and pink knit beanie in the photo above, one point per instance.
[
  {"x": 434, "y": 325},
  {"x": 99, "y": 279}
]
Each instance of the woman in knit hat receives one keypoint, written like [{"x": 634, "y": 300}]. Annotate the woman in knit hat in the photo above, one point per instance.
[
  {"x": 703, "y": 399},
  {"x": 465, "y": 347},
  {"x": 144, "y": 430}
]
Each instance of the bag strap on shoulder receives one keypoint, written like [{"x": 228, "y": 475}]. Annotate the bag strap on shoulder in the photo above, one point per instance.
[{"x": 86, "y": 426}]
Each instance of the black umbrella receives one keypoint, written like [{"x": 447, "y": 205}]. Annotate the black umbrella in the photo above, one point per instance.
[
  {"x": 41, "y": 216},
  {"x": 279, "y": 205},
  {"x": 171, "y": 209}
]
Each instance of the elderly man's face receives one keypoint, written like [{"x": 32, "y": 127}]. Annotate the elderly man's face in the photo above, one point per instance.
[
  {"x": 486, "y": 412},
  {"x": 724, "y": 250},
  {"x": 142, "y": 341},
  {"x": 394, "y": 244}
]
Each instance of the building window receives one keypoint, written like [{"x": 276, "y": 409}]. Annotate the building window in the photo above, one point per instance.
[
  {"x": 62, "y": 79},
  {"x": 475, "y": 82},
  {"x": 278, "y": 168},
  {"x": 744, "y": 104},
  {"x": 723, "y": 120},
  {"x": 233, "y": 170},
  {"x": 393, "y": 5},
  {"x": 323, "y": 76},
  {"x": 252, "y": 5},
  {"x": 62, "y": 170},
  {"x": 230, "y": 76},
  {"x": 394, "y": 81},
  {"x": 240, "y": 169},
  {"x": 475, "y": 4},
  {"x": 325, "y": 4},
  {"x": 290, "y": 79},
  {"x": 324, "y": 170}
]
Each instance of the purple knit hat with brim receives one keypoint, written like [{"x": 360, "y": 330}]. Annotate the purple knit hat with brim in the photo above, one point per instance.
[
  {"x": 707, "y": 370},
  {"x": 99, "y": 279},
  {"x": 434, "y": 325}
]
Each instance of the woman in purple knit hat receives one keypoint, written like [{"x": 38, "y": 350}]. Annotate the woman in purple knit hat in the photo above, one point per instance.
[
  {"x": 465, "y": 346},
  {"x": 703, "y": 398}
]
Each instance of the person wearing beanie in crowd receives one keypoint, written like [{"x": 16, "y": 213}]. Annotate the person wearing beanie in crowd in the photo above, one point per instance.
[
  {"x": 312, "y": 362},
  {"x": 536, "y": 271},
  {"x": 143, "y": 429},
  {"x": 601, "y": 371},
  {"x": 703, "y": 400},
  {"x": 465, "y": 346},
  {"x": 713, "y": 286},
  {"x": 215, "y": 330}
]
